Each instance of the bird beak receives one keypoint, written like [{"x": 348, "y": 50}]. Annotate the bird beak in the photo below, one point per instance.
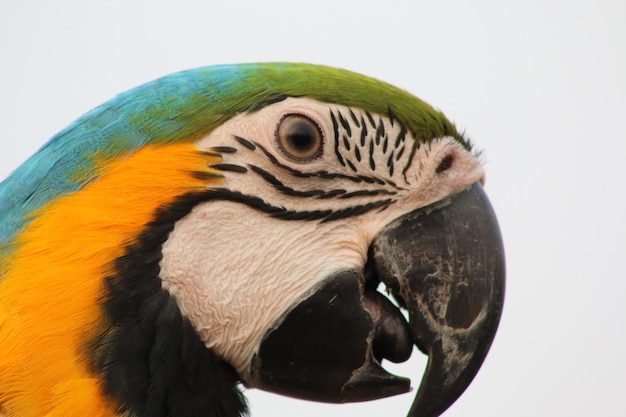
[
  {"x": 444, "y": 264},
  {"x": 447, "y": 265}
]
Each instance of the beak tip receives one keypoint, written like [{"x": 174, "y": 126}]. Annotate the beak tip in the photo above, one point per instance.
[
  {"x": 447, "y": 376},
  {"x": 374, "y": 382}
]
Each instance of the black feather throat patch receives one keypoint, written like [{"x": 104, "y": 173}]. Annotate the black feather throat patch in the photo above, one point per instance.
[{"x": 150, "y": 358}]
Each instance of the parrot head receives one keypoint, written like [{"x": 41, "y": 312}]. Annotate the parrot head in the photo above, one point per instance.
[{"x": 256, "y": 224}]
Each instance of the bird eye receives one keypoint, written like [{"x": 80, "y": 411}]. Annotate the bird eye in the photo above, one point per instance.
[{"x": 299, "y": 137}]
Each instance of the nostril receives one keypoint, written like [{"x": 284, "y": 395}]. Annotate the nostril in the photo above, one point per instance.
[
  {"x": 445, "y": 164},
  {"x": 392, "y": 337}
]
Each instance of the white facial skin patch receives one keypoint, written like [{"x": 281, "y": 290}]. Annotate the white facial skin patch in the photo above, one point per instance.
[{"x": 236, "y": 270}]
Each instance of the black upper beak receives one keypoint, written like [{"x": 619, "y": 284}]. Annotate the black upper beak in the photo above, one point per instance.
[{"x": 445, "y": 265}]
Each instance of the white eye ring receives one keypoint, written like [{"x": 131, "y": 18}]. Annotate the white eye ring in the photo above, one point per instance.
[{"x": 299, "y": 137}]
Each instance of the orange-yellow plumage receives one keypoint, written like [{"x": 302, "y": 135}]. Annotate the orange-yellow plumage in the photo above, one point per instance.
[{"x": 53, "y": 281}]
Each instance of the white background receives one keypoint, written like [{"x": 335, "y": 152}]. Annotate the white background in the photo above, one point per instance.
[{"x": 539, "y": 85}]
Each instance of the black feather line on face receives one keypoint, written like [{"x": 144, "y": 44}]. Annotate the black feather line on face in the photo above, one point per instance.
[
  {"x": 150, "y": 359},
  {"x": 355, "y": 120},
  {"x": 229, "y": 168},
  {"x": 325, "y": 175},
  {"x": 371, "y": 153},
  {"x": 346, "y": 143},
  {"x": 223, "y": 149},
  {"x": 344, "y": 124},
  {"x": 380, "y": 132},
  {"x": 282, "y": 213},
  {"x": 321, "y": 194},
  {"x": 363, "y": 132},
  {"x": 391, "y": 115},
  {"x": 206, "y": 176},
  {"x": 351, "y": 165},
  {"x": 246, "y": 143},
  {"x": 336, "y": 135},
  {"x": 390, "y": 164},
  {"x": 401, "y": 137},
  {"x": 282, "y": 188}
]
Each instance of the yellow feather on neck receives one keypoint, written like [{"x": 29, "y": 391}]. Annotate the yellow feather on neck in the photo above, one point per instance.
[{"x": 50, "y": 291}]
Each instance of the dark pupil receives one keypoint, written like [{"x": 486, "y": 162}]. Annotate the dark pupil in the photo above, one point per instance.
[{"x": 301, "y": 136}]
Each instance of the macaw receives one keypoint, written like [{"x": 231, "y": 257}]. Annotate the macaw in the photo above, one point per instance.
[{"x": 240, "y": 225}]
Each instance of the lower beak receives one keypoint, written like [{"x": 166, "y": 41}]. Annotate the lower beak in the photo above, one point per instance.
[{"x": 445, "y": 265}]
